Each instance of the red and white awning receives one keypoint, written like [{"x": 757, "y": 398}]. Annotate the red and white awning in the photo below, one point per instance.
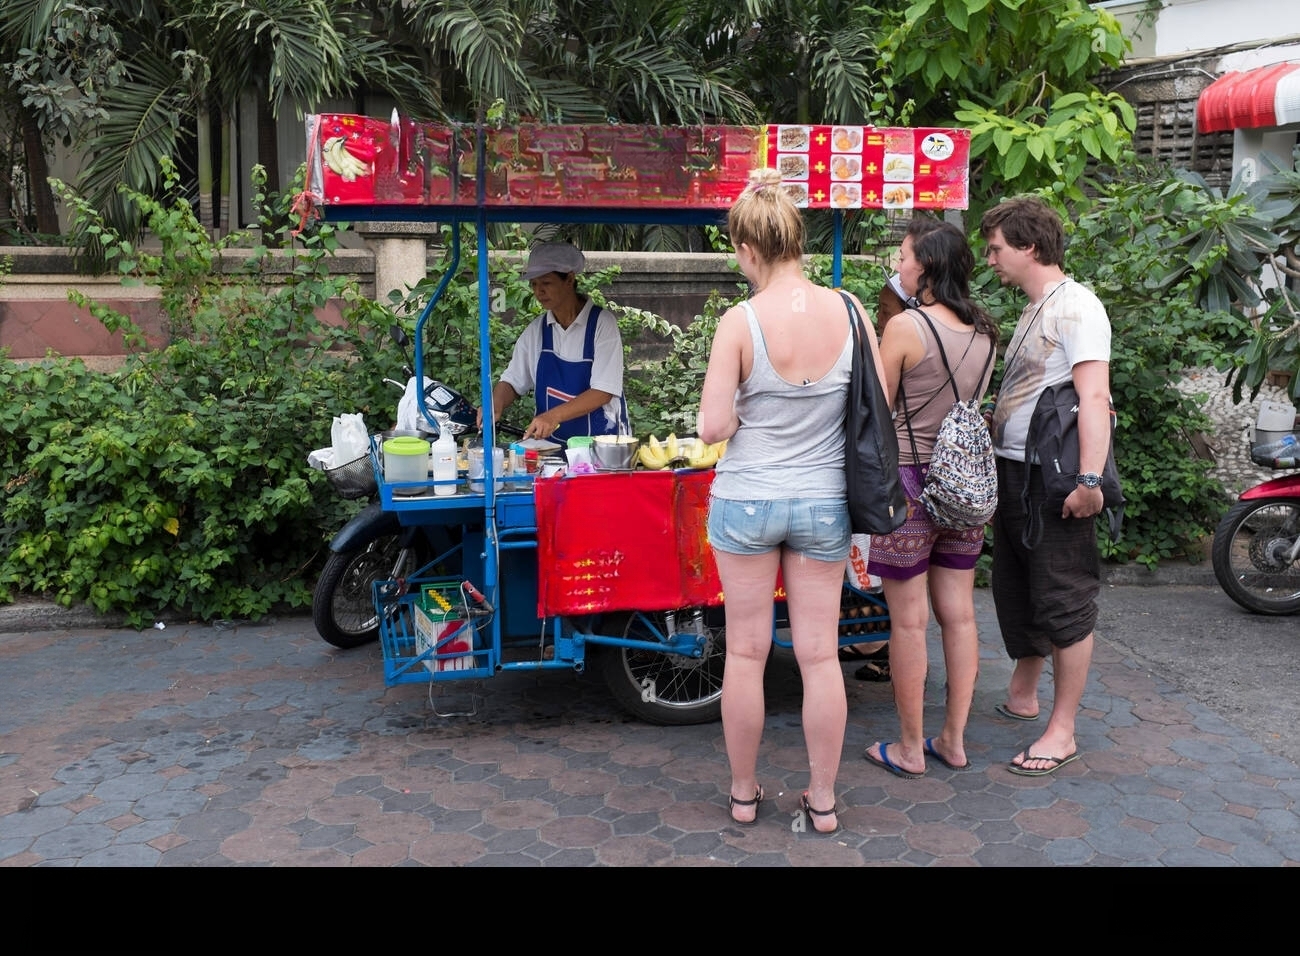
[{"x": 1267, "y": 96}]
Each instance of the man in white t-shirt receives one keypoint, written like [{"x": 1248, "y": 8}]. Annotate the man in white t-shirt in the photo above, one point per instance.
[
  {"x": 1046, "y": 597},
  {"x": 570, "y": 357}
]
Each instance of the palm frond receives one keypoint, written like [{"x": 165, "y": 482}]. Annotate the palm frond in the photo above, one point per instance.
[{"x": 144, "y": 125}]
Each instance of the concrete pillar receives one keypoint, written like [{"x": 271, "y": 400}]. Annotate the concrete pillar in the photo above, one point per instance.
[{"x": 401, "y": 253}]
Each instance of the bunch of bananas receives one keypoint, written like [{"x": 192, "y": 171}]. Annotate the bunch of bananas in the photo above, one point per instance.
[
  {"x": 670, "y": 453},
  {"x": 338, "y": 159}
]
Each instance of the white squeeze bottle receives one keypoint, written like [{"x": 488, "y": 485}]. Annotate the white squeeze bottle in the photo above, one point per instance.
[{"x": 443, "y": 456}]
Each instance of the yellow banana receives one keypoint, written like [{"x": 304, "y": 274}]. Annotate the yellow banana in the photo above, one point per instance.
[
  {"x": 671, "y": 450},
  {"x": 703, "y": 455},
  {"x": 655, "y": 445},
  {"x": 650, "y": 458}
]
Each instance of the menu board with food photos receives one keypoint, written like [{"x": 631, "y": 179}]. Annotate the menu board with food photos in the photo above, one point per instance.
[
  {"x": 868, "y": 167},
  {"x": 356, "y": 160}
]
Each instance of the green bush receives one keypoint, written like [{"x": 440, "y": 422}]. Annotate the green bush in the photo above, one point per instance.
[{"x": 179, "y": 482}]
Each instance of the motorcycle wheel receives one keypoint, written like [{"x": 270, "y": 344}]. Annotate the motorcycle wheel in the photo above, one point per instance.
[
  {"x": 343, "y": 603},
  {"x": 665, "y": 689},
  {"x": 1251, "y": 552}
]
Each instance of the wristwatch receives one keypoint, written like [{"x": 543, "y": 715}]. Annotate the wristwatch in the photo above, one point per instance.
[{"x": 1090, "y": 479}]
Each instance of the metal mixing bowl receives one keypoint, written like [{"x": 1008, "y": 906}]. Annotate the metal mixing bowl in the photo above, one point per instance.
[{"x": 619, "y": 455}]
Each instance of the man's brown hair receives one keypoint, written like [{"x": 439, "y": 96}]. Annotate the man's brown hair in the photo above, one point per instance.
[{"x": 1028, "y": 221}]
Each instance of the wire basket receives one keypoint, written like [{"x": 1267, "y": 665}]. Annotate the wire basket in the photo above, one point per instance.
[{"x": 355, "y": 479}]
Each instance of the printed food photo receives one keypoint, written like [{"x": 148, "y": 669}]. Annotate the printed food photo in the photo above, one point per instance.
[{"x": 898, "y": 168}]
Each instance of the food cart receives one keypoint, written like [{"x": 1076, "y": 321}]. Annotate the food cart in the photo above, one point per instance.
[{"x": 610, "y": 571}]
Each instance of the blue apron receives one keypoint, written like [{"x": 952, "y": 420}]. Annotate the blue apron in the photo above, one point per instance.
[{"x": 559, "y": 381}]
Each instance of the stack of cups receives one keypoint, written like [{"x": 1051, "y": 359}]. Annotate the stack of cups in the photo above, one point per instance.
[{"x": 476, "y": 468}]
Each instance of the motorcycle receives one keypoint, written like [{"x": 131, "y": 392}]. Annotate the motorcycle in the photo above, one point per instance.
[
  {"x": 374, "y": 545},
  {"x": 1256, "y": 552}
]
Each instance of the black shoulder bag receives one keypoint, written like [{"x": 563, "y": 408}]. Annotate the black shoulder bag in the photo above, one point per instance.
[
  {"x": 1054, "y": 437},
  {"x": 877, "y": 503}
]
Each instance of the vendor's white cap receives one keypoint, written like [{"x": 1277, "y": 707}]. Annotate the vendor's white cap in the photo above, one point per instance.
[
  {"x": 554, "y": 257},
  {"x": 896, "y": 283}
]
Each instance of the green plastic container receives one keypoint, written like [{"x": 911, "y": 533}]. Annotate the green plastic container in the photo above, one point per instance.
[{"x": 406, "y": 459}]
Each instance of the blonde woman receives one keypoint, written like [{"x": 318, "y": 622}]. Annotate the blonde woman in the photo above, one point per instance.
[{"x": 776, "y": 387}]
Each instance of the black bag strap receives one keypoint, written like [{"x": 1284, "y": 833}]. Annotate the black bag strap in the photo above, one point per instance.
[
  {"x": 855, "y": 321},
  {"x": 952, "y": 375},
  {"x": 1032, "y": 533}
]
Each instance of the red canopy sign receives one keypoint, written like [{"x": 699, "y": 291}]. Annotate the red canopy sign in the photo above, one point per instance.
[{"x": 359, "y": 160}]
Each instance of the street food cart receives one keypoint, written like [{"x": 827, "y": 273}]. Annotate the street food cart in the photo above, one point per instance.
[{"x": 610, "y": 570}]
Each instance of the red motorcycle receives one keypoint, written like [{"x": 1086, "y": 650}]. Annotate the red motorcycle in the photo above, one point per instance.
[{"x": 1257, "y": 544}]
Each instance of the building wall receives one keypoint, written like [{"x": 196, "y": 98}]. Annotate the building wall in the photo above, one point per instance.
[
  {"x": 1179, "y": 48},
  {"x": 1177, "y": 27}
]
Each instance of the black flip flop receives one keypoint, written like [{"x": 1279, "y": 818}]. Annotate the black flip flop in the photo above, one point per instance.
[{"x": 1006, "y": 711}]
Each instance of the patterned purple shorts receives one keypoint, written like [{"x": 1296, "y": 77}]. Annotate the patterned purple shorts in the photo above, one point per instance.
[{"x": 919, "y": 543}]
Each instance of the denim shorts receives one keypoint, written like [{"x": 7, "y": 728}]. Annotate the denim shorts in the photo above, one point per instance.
[{"x": 817, "y": 528}]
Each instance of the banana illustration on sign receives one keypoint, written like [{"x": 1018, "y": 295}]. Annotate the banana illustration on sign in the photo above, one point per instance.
[{"x": 340, "y": 161}]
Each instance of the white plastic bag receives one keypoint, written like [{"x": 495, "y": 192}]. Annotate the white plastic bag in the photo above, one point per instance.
[
  {"x": 408, "y": 409},
  {"x": 350, "y": 438},
  {"x": 855, "y": 570}
]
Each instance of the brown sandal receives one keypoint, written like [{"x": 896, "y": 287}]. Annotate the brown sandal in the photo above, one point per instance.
[
  {"x": 732, "y": 803},
  {"x": 809, "y": 812}
]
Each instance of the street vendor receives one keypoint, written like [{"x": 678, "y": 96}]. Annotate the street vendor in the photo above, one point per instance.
[{"x": 570, "y": 357}]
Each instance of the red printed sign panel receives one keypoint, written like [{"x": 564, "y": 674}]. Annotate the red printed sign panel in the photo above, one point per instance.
[
  {"x": 867, "y": 167},
  {"x": 362, "y": 161},
  {"x": 694, "y": 166}
]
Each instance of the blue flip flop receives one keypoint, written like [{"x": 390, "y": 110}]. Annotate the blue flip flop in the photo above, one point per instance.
[
  {"x": 931, "y": 752},
  {"x": 884, "y": 762}
]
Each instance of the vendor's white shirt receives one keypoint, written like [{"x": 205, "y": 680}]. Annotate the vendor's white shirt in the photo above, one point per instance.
[{"x": 607, "y": 360}]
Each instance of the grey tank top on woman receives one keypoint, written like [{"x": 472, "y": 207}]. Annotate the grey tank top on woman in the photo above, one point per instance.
[{"x": 790, "y": 443}]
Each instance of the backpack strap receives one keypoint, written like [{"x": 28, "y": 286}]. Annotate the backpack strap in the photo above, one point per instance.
[{"x": 952, "y": 376}]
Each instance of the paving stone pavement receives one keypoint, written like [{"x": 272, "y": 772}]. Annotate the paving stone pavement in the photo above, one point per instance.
[{"x": 261, "y": 745}]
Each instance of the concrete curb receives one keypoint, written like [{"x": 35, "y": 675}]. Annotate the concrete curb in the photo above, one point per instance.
[{"x": 28, "y": 615}]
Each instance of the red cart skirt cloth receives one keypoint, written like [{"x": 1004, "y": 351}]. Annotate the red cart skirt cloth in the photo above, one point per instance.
[{"x": 624, "y": 541}]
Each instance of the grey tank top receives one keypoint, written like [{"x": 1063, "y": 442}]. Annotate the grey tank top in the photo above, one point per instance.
[{"x": 790, "y": 443}]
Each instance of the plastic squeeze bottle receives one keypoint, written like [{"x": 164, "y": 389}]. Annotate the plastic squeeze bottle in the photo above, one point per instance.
[{"x": 443, "y": 455}]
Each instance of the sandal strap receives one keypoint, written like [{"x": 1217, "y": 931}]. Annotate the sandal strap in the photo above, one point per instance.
[{"x": 814, "y": 811}]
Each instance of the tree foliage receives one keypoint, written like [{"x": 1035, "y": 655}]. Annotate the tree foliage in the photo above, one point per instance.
[{"x": 1017, "y": 72}]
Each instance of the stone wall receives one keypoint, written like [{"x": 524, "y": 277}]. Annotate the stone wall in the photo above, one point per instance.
[{"x": 36, "y": 316}]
